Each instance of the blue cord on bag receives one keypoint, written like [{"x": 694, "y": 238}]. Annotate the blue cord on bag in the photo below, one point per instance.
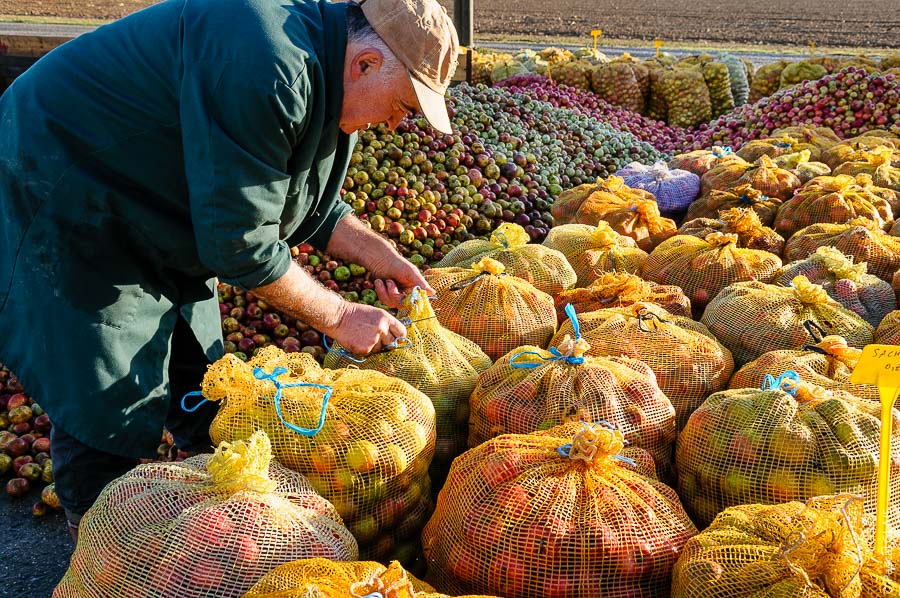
[
  {"x": 721, "y": 152},
  {"x": 260, "y": 374},
  {"x": 782, "y": 382},
  {"x": 556, "y": 354}
]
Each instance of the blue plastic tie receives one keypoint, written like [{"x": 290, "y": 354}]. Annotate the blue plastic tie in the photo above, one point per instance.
[
  {"x": 556, "y": 355},
  {"x": 772, "y": 383},
  {"x": 501, "y": 237},
  {"x": 721, "y": 152}
]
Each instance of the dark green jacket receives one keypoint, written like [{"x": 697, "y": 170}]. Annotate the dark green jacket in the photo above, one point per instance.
[{"x": 192, "y": 139}]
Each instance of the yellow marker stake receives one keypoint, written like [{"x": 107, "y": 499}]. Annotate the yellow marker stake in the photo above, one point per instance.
[
  {"x": 596, "y": 33},
  {"x": 658, "y": 44},
  {"x": 812, "y": 48},
  {"x": 880, "y": 365}
]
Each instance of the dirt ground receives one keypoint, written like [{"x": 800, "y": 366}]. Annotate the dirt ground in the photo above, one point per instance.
[{"x": 875, "y": 23}]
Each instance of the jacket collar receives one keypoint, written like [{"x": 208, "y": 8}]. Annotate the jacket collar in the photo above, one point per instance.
[{"x": 334, "y": 20}]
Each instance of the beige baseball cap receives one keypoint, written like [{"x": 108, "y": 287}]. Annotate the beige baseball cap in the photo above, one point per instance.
[{"x": 421, "y": 35}]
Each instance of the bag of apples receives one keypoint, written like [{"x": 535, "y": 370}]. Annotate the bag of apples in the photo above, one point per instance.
[
  {"x": 497, "y": 311},
  {"x": 827, "y": 361},
  {"x": 713, "y": 203},
  {"x": 792, "y": 550},
  {"x": 593, "y": 251},
  {"x": 790, "y": 440},
  {"x": 882, "y": 164},
  {"x": 777, "y": 146},
  {"x": 888, "y": 331},
  {"x": 365, "y": 445},
  {"x": 763, "y": 175},
  {"x": 743, "y": 222},
  {"x": 752, "y": 318},
  {"x": 620, "y": 289},
  {"x": 436, "y": 361},
  {"x": 847, "y": 283},
  {"x": 688, "y": 361},
  {"x": 212, "y": 525},
  {"x": 702, "y": 161},
  {"x": 564, "y": 513},
  {"x": 703, "y": 267},
  {"x": 531, "y": 389},
  {"x": 541, "y": 265}
]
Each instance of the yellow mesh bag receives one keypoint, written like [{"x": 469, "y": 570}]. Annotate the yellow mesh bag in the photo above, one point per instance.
[
  {"x": 847, "y": 283},
  {"x": 593, "y": 251},
  {"x": 821, "y": 137},
  {"x": 542, "y": 266},
  {"x": 881, "y": 163},
  {"x": 620, "y": 289},
  {"x": 791, "y": 550},
  {"x": 850, "y": 149},
  {"x": 763, "y": 175},
  {"x": 702, "y": 161},
  {"x": 888, "y": 331},
  {"x": 790, "y": 440},
  {"x": 778, "y": 146},
  {"x": 713, "y": 203},
  {"x": 807, "y": 171},
  {"x": 859, "y": 238},
  {"x": 703, "y": 267},
  {"x": 751, "y": 318},
  {"x": 630, "y": 212},
  {"x": 766, "y": 80},
  {"x": 743, "y": 222},
  {"x": 530, "y": 389},
  {"x": 687, "y": 96},
  {"x": 497, "y": 311},
  {"x": 553, "y": 514},
  {"x": 834, "y": 200},
  {"x": 825, "y": 361},
  {"x": 436, "y": 361},
  {"x": 792, "y": 160},
  {"x": 689, "y": 363},
  {"x": 718, "y": 81},
  {"x": 211, "y": 525},
  {"x": 367, "y": 447}
]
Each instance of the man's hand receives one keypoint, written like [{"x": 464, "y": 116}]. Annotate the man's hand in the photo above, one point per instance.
[
  {"x": 363, "y": 329},
  {"x": 398, "y": 279}
]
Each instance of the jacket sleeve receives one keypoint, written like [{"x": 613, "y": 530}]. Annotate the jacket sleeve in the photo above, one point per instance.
[{"x": 238, "y": 134}]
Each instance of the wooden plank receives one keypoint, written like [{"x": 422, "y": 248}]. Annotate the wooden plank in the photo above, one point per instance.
[
  {"x": 29, "y": 45},
  {"x": 463, "y": 68}
]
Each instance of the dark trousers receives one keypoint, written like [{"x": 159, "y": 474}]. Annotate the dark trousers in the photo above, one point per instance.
[{"x": 80, "y": 472}]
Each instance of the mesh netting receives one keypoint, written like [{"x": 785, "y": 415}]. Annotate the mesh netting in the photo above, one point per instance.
[
  {"x": 763, "y": 175},
  {"x": 881, "y": 163},
  {"x": 807, "y": 171},
  {"x": 674, "y": 189},
  {"x": 789, "y": 441},
  {"x": 593, "y": 251},
  {"x": 618, "y": 83},
  {"x": 436, "y": 361},
  {"x": 620, "y": 289},
  {"x": 211, "y": 525},
  {"x": 367, "y": 446},
  {"x": 791, "y": 550},
  {"x": 689, "y": 363},
  {"x": 703, "y": 267},
  {"x": 542, "y": 266},
  {"x": 497, "y": 311},
  {"x": 888, "y": 331},
  {"x": 741, "y": 196},
  {"x": 556, "y": 513},
  {"x": 845, "y": 282},
  {"x": 826, "y": 361},
  {"x": 821, "y": 137},
  {"x": 718, "y": 81},
  {"x": 702, "y": 161},
  {"x": 532, "y": 389},
  {"x": 850, "y": 149},
  {"x": 751, "y": 318},
  {"x": 860, "y": 239},
  {"x": 686, "y": 96},
  {"x": 743, "y": 222},
  {"x": 777, "y": 146},
  {"x": 834, "y": 200},
  {"x": 630, "y": 212}
]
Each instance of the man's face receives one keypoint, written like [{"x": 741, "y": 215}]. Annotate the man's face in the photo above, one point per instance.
[{"x": 371, "y": 94}]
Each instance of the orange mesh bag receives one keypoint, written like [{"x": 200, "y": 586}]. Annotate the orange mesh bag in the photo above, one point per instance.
[
  {"x": 742, "y": 196},
  {"x": 541, "y": 265},
  {"x": 531, "y": 389},
  {"x": 434, "y": 360},
  {"x": 831, "y": 199},
  {"x": 620, "y": 289},
  {"x": 888, "y": 331},
  {"x": 689, "y": 363},
  {"x": 703, "y": 267},
  {"x": 881, "y": 163},
  {"x": 563, "y": 513},
  {"x": 790, "y": 550},
  {"x": 777, "y": 146},
  {"x": 497, "y": 311},
  {"x": 744, "y": 223},
  {"x": 852, "y": 149},
  {"x": 821, "y": 137},
  {"x": 751, "y": 318},
  {"x": 763, "y": 175},
  {"x": 367, "y": 449},
  {"x": 895, "y": 284},
  {"x": 593, "y": 251},
  {"x": 847, "y": 283},
  {"x": 211, "y": 525},
  {"x": 630, "y": 212},
  {"x": 790, "y": 440},
  {"x": 859, "y": 238},
  {"x": 702, "y": 161},
  {"x": 825, "y": 361}
]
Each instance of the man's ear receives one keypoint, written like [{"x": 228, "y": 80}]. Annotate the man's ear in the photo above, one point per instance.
[{"x": 366, "y": 62}]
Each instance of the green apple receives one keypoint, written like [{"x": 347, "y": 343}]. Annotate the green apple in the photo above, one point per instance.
[
  {"x": 344, "y": 481},
  {"x": 793, "y": 446},
  {"x": 361, "y": 456},
  {"x": 393, "y": 460},
  {"x": 364, "y": 529},
  {"x": 394, "y": 409},
  {"x": 323, "y": 458},
  {"x": 816, "y": 484},
  {"x": 736, "y": 484},
  {"x": 782, "y": 485}
]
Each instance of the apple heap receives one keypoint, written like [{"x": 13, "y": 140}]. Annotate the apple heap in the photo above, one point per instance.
[
  {"x": 792, "y": 440},
  {"x": 688, "y": 362},
  {"x": 888, "y": 331},
  {"x": 369, "y": 454},
  {"x": 595, "y": 250},
  {"x": 564, "y": 513},
  {"x": 212, "y": 525},
  {"x": 620, "y": 289}
]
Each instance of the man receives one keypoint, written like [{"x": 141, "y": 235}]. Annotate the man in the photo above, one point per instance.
[{"x": 193, "y": 139}]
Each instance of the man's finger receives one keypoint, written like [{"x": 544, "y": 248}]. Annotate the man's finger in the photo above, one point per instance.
[{"x": 397, "y": 328}]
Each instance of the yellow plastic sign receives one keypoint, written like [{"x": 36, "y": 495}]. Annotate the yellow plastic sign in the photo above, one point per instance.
[
  {"x": 880, "y": 365},
  {"x": 596, "y": 33},
  {"x": 658, "y": 44},
  {"x": 812, "y": 47}
]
